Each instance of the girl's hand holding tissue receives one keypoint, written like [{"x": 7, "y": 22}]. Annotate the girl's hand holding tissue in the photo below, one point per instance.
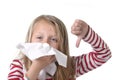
[
  {"x": 43, "y": 57},
  {"x": 38, "y": 65},
  {"x": 42, "y": 62}
]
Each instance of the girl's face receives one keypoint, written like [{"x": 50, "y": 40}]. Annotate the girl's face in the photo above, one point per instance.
[{"x": 44, "y": 32}]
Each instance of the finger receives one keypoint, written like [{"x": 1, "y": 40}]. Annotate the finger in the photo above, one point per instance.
[
  {"x": 77, "y": 33},
  {"x": 78, "y": 28},
  {"x": 52, "y": 58},
  {"x": 78, "y": 41},
  {"x": 75, "y": 24}
]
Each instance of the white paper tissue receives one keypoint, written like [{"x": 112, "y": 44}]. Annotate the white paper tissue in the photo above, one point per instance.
[{"x": 37, "y": 50}]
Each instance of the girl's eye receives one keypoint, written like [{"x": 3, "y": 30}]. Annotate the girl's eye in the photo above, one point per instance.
[
  {"x": 54, "y": 39},
  {"x": 40, "y": 37}
]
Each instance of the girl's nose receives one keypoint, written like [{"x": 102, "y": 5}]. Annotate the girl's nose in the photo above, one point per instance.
[{"x": 45, "y": 40}]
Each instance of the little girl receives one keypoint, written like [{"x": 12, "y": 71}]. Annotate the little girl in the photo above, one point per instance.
[{"x": 49, "y": 29}]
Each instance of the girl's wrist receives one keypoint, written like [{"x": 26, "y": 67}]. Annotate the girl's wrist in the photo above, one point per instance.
[{"x": 87, "y": 31}]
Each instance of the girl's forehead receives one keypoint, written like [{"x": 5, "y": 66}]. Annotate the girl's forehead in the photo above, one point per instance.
[
  {"x": 44, "y": 22},
  {"x": 43, "y": 26}
]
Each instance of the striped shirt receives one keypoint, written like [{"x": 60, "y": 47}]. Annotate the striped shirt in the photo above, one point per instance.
[{"x": 83, "y": 63}]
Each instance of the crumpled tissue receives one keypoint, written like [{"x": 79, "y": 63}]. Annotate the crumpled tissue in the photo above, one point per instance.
[{"x": 37, "y": 50}]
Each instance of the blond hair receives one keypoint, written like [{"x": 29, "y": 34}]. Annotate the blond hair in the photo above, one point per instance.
[{"x": 61, "y": 73}]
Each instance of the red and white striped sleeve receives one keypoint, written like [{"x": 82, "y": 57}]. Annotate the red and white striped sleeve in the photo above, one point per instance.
[
  {"x": 16, "y": 70},
  {"x": 100, "y": 54}
]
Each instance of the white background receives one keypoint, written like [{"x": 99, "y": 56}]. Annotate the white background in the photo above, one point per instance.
[{"x": 102, "y": 15}]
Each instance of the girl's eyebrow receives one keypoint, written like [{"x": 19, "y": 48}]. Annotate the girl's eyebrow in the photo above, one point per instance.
[
  {"x": 39, "y": 33},
  {"x": 54, "y": 35}
]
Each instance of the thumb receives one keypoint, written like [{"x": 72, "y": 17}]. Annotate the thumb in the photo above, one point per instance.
[{"x": 78, "y": 41}]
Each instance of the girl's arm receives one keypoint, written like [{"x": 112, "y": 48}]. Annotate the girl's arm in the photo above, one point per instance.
[
  {"x": 16, "y": 70},
  {"x": 100, "y": 54}
]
